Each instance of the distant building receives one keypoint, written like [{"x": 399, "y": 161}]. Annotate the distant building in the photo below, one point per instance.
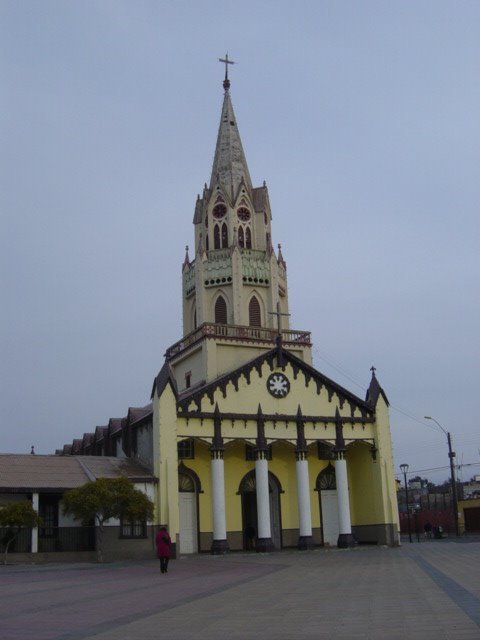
[{"x": 44, "y": 479}]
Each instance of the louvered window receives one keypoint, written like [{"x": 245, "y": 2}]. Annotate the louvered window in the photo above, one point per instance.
[
  {"x": 241, "y": 237},
  {"x": 224, "y": 236},
  {"x": 220, "y": 311},
  {"x": 248, "y": 238},
  {"x": 255, "y": 318},
  {"x": 216, "y": 237}
]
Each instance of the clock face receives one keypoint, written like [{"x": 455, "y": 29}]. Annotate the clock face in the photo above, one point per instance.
[
  {"x": 278, "y": 385},
  {"x": 219, "y": 211},
  {"x": 243, "y": 214}
]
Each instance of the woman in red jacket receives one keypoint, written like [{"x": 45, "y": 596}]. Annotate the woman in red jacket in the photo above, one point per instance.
[{"x": 163, "y": 544}]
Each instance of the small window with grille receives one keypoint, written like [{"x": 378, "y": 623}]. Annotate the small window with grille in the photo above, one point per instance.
[
  {"x": 133, "y": 529},
  {"x": 186, "y": 450}
]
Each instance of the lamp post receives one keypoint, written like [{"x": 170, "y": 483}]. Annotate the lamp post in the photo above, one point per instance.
[
  {"x": 404, "y": 469},
  {"x": 451, "y": 455}
]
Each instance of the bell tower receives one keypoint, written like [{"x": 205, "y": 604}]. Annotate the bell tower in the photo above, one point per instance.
[{"x": 235, "y": 293}]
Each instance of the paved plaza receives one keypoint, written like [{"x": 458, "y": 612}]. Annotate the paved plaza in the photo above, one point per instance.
[{"x": 427, "y": 590}]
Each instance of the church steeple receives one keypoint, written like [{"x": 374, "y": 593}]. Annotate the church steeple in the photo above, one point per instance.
[
  {"x": 229, "y": 168},
  {"x": 235, "y": 290}
]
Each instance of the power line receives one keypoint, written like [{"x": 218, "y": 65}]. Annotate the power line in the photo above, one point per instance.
[
  {"x": 330, "y": 361},
  {"x": 458, "y": 467}
]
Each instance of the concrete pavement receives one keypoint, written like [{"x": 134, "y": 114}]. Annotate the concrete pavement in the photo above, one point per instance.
[{"x": 427, "y": 590}]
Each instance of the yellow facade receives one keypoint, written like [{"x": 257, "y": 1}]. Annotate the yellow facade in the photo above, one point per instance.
[{"x": 372, "y": 494}]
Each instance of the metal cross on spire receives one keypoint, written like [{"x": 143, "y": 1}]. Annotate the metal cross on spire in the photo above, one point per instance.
[{"x": 226, "y": 82}]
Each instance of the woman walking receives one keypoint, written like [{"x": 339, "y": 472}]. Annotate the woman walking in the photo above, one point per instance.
[{"x": 163, "y": 544}]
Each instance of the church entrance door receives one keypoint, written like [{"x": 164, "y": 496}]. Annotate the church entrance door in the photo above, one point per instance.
[
  {"x": 249, "y": 511},
  {"x": 326, "y": 485},
  {"x": 329, "y": 513},
  {"x": 188, "y": 522}
]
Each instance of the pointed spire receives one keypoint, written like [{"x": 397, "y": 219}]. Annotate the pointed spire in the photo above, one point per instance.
[
  {"x": 340, "y": 447},
  {"x": 229, "y": 163},
  {"x": 375, "y": 390},
  {"x": 269, "y": 245},
  {"x": 200, "y": 246},
  {"x": 261, "y": 443},
  {"x": 301, "y": 448},
  {"x": 280, "y": 259},
  {"x": 186, "y": 262},
  {"x": 217, "y": 442}
]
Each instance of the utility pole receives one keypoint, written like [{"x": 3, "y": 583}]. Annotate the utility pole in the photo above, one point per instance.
[
  {"x": 453, "y": 483},
  {"x": 404, "y": 469}
]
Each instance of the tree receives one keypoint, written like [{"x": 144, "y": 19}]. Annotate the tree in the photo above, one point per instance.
[
  {"x": 107, "y": 498},
  {"x": 17, "y": 516}
]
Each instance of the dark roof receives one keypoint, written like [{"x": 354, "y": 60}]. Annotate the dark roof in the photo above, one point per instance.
[
  {"x": 164, "y": 377},
  {"x": 375, "y": 390},
  {"x": 23, "y": 473},
  {"x": 137, "y": 414},
  {"x": 115, "y": 425}
]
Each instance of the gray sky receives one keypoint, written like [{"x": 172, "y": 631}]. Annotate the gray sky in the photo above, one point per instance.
[{"x": 363, "y": 118}]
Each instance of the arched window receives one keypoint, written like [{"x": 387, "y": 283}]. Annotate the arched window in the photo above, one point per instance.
[
  {"x": 224, "y": 236},
  {"x": 207, "y": 243},
  {"x": 220, "y": 311},
  {"x": 254, "y": 315},
  {"x": 241, "y": 237},
  {"x": 248, "y": 238},
  {"x": 216, "y": 237}
]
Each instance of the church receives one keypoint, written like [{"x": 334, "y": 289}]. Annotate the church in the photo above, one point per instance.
[{"x": 251, "y": 447}]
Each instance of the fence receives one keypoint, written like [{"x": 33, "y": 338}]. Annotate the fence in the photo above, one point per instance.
[{"x": 51, "y": 539}]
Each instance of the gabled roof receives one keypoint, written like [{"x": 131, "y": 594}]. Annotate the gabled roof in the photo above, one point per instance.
[
  {"x": 26, "y": 473},
  {"x": 271, "y": 358},
  {"x": 101, "y": 432},
  {"x": 115, "y": 425},
  {"x": 164, "y": 377},
  {"x": 137, "y": 414},
  {"x": 375, "y": 390}
]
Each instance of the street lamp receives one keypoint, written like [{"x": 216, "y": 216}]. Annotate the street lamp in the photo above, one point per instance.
[
  {"x": 451, "y": 455},
  {"x": 404, "y": 469}
]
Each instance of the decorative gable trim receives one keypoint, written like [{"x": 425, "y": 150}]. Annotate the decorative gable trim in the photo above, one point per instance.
[
  {"x": 277, "y": 357},
  {"x": 163, "y": 378}
]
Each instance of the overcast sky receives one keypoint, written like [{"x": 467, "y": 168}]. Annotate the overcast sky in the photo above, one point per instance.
[{"x": 363, "y": 118}]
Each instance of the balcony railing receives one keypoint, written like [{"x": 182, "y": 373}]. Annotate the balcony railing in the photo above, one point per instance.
[{"x": 235, "y": 333}]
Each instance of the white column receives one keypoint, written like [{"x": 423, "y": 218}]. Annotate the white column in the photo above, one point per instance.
[
  {"x": 263, "y": 498},
  {"x": 345, "y": 538},
  {"x": 218, "y": 503},
  {"x": 35, "y": 503},
  {"x": 303, "y": 492},
  {"x": 218, "y": 496}
]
